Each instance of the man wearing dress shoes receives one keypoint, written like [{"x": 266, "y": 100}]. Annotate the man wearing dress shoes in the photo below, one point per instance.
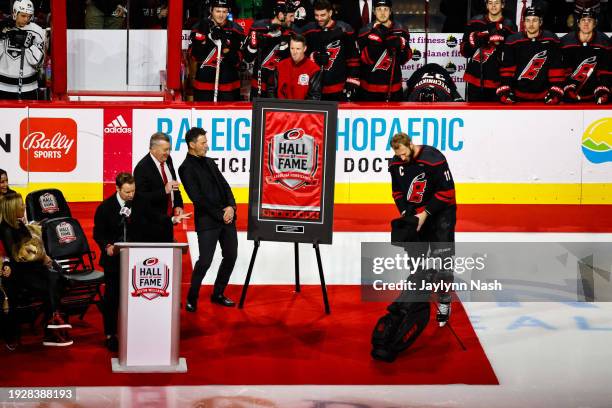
[
  {"x": 215, "y": 218},
  {"x": 222, "y": 300}
]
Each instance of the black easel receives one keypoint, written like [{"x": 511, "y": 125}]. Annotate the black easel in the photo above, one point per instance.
[{"x": 297, "y": 273}]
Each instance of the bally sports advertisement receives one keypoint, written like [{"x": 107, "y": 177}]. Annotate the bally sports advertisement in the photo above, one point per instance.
[{"x": 291, "y": 186}]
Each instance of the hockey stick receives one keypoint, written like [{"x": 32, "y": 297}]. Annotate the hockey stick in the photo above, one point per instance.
[
  {"x": 127, "y": 48},
  {"x": 20, "y": 83},
  {"x": 392, "y": 51},
  {"x": 452, "y": 330},
  {"x": 426, "y": 29},
  {"x": 258, "y": 65},
  {"x": 481, "y": 73},
  {"x": 217, "y": 72}
]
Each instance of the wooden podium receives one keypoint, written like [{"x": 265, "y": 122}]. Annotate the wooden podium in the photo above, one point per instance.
[{"x": 150, "y": 306}]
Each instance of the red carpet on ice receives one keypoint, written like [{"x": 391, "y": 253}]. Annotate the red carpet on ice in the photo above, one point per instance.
[{"x": 279, "y": 338}]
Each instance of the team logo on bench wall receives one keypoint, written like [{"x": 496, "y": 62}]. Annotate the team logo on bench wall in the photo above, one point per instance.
[{"x": 150, "y": 279}]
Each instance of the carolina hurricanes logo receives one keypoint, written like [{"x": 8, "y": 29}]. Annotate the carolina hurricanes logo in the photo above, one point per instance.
[
  {"x": 383, "y": 63},
  {"x": 150, "y": 261},
  {"x": 585, "y": 69},
  {"x": 486, "y": 54},
  {"x": 532, "y": 69},
  {"x": 417, "y": 189},
  {"x": 211, "y": 59},
  {"x": 293, "y": 159},
  {"x": 333, "y": 49},
  {"x": 271, "y": 59}
]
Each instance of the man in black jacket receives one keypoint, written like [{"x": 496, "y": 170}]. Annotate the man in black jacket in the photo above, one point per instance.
[
  {"x": 215, "y": 217},
  {"x": 156, "y": 183},
  {"x": 121, "y": 218}
]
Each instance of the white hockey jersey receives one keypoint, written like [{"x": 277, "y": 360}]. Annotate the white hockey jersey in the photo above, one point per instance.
[{"x": 10, "y": 59}]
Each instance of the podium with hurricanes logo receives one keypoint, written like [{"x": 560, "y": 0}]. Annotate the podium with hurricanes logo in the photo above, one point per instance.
[{"x": 149, "y": 310}]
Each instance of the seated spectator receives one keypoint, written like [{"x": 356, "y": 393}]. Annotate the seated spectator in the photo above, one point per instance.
[
  {"x": 432, "y": 83},
  {"x": 4, "y": 184},
  {"x": 31, "y": 268},
  {"x": 586, "y": 55},
  {"x": 8, "y": 323},
  {"x": 148, "y": 14},
  {"x": 297, "y": 77},
  {"x": 22, "y": 50},
  {"x": 105, "y": 14}
]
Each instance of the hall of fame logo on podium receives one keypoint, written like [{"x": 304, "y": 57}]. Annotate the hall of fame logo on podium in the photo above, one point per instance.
[{"x": 150, "y": 279}]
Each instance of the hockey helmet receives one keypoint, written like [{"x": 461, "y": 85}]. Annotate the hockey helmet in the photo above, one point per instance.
[
  {"x": 382, "y": 3},
  {"x": 290, "y": 6},
  {"x": 534, "y": 11},
  {"x": 220, "y": 3},
  {"x": 586, "y": 13},
  {"x": 281, "y": 7},
  {"x": 22, "y": 6}
]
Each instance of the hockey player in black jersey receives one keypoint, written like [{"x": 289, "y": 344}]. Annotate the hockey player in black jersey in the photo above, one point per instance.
[
  {"x": 587, "y": 58},
  {"x": 331, "y": 45},
  {"x": 482, "y": 42},
  {"x": 432, "y": 83},
  {"x": 267, "y": 44},
  {"x": 210, "y": 69},
  {"x": 531, "y": 67},
  {"x": 423, "y": 187},
  {"x": 384, "y": 47}
]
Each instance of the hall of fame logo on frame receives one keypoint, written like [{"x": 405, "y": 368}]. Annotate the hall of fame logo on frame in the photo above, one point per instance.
[{"x": 293, "y": 167}]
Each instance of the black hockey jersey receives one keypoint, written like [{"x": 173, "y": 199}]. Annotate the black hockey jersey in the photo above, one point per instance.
[
  {"x": 204, "y": 52},
  {"x": 532, "y": 66},
  {"x": 338, "y": 41},
  {"x": 484, "y": 50},
  {"x": 588, "y": 65},
  {"x": 380, "y": 63},
  {"x": 435, "y": 80},
  {"x": 423, "y": 184},
  {"x": 272, "y": 46}
]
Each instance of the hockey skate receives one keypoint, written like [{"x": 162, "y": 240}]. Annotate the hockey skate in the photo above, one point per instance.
[{"x": 443, "y": 314}]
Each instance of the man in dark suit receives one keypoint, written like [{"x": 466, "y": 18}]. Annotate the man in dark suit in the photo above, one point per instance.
[
  {"x": 108, "y": 229},
  {"x": 358, "y": 13},
  {"x": 215, "y": 217},
  {"x": 121, "y": 218},
  {"x": 156, "y": 183},
  {"x": 515, "y": 9}
]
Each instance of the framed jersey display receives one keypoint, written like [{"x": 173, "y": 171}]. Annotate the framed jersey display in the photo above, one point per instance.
[{"x": 293, "y": 155}]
